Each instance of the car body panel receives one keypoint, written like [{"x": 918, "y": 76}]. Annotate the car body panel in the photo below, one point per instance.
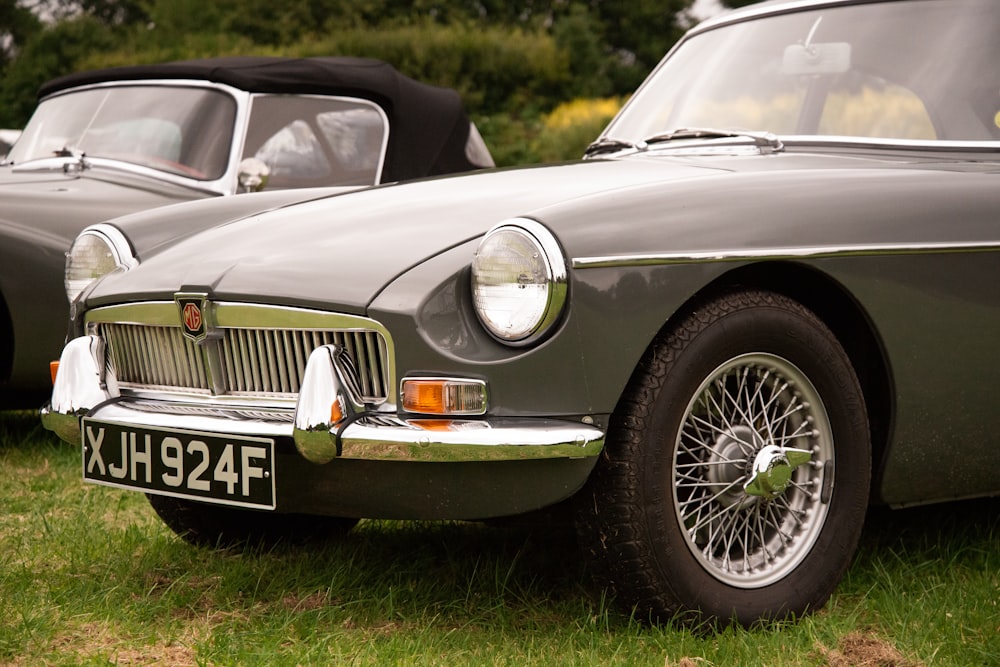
[
  {"x": 894, "y": 269},
  {"x": 889, "y": 251}
]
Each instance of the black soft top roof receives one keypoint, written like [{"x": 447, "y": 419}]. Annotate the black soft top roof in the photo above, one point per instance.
[{"x": 428, "y": 124}]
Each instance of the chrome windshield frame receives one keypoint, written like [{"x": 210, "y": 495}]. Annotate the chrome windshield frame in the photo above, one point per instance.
[{"x": 223, "y": 185}]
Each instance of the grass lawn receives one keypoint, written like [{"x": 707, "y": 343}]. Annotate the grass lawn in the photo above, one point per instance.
[{"x": 89, "y": 576}]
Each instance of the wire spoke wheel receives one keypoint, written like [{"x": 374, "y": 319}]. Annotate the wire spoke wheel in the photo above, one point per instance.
[
  {"x": 734, "y": 479},
  {"x": 738, "y": 428}
]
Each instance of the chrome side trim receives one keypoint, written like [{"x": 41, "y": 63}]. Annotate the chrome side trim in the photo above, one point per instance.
[
  {"x": 889, "y": 143},
  {"x": 808, "y": 252}
]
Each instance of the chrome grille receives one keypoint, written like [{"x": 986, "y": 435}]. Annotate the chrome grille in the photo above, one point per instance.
[{"x": 254, "y": 361}]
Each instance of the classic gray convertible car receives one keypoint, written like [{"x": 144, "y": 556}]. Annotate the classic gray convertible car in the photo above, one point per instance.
[
  {"x": 767, "y": 298},
  {"x": 109, "y": 142}
]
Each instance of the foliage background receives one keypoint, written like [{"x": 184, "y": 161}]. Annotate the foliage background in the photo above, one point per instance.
[{"x": 514, "y": 63}]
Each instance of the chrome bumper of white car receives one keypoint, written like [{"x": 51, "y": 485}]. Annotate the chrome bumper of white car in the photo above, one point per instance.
[{"x": 81, "y": 389}]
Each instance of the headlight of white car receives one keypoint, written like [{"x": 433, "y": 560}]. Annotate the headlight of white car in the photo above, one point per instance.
[
  {"x": 519, "y": 281},
  {"x": 97, "y": 251}
]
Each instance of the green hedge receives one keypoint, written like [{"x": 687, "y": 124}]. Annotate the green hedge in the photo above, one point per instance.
[
  {"x": 493, "y": 69},
  {"x": 509, "y": 78}
]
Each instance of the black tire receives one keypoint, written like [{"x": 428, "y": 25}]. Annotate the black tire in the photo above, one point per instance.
[
  {"x": 672, "y": 530},
  {"x": 223, "y": 527}
]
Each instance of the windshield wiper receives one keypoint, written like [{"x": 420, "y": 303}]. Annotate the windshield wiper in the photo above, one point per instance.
[
  {"x": 79, "y": 159},
  {"x": 765, "y": 141},
  {"x": 610, "y": 146}
]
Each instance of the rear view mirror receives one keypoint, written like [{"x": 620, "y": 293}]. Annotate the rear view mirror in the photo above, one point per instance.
[{"x": 818, "y": 58}]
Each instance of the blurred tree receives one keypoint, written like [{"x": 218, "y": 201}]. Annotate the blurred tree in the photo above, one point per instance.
[
  {"x": 603, "y": 48},
  {"x": 579, "y": 33},
  {"x": 107, "y": 12},
  {"x": 640, "y": 32},
  {"x": 17, "y": 24},
  {"x": 48, "y": 53}
]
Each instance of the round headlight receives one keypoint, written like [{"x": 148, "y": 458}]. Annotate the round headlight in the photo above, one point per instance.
[
  {"x": 518, "y": 281},
  {"x": 96, "y": 252}
]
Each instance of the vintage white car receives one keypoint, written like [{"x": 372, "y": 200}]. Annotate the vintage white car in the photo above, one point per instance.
[{"x": 104, "y": 143}]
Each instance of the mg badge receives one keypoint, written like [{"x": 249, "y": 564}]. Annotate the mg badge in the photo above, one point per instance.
[
  {"x": 193, "y": 310},
  {"x": 192, "y": 319}
]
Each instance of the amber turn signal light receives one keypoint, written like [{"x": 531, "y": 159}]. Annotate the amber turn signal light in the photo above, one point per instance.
[
  {"x": 336, "y": 412},
  {"x": 444, "y": 396}
]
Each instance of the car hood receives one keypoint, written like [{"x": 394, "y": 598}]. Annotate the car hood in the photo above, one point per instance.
[
  {"x": 151, "y": 232},
  {"x": 50, "y": 202},
  {"x": 339, "y": 252}
]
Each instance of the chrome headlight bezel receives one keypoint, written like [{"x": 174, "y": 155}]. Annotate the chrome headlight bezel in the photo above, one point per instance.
[
  {"x": 97, "y": 251},
  {"x": 527, "y": 249}
]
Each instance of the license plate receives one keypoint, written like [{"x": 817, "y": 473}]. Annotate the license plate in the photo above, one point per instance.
[{"x": 224, "y": 469}]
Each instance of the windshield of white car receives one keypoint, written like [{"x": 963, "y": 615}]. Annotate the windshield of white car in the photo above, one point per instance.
[
  {"x": 925, "y": 72},
  {"x": 185, "y": 131}
]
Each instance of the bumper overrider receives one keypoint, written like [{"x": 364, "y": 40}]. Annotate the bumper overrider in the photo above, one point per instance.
[{"x": 325, "y": 423}]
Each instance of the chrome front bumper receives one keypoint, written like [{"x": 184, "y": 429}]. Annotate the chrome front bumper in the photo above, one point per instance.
[{"x": 83, "y": 388}]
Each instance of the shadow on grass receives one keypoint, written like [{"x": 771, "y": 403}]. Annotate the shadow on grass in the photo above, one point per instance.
[
  {"x": 20, "y": 428},
  {"x": 514, "y": 576},
  {"x": 420, "y": 574},
  {"x": 936, "y": 531}
]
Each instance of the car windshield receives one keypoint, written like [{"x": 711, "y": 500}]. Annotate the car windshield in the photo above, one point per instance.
[
  {"x": 181, "y": 130},
  {"x": 926, "y": 71}
]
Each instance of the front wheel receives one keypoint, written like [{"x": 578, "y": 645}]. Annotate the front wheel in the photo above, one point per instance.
[
  {"x": 735, "y": 478},
  {"x": 220, "y": 526}
]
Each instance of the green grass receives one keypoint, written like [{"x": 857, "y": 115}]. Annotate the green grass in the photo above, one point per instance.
[{"x": 88, "y": 576}]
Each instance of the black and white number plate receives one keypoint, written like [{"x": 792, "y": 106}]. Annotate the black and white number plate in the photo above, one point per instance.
[{"x": 225, "y": 469}]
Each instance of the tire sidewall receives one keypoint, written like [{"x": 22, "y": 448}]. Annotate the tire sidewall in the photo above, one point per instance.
[{"x": 788, "y": 331}]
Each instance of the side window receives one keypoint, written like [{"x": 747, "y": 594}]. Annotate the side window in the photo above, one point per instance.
[
  {"x": 861, "y": 105},
  {"x": 294, "y": 152},
  {"x": 356, "y": 136},
  {"x": 317, "y": 141}
]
